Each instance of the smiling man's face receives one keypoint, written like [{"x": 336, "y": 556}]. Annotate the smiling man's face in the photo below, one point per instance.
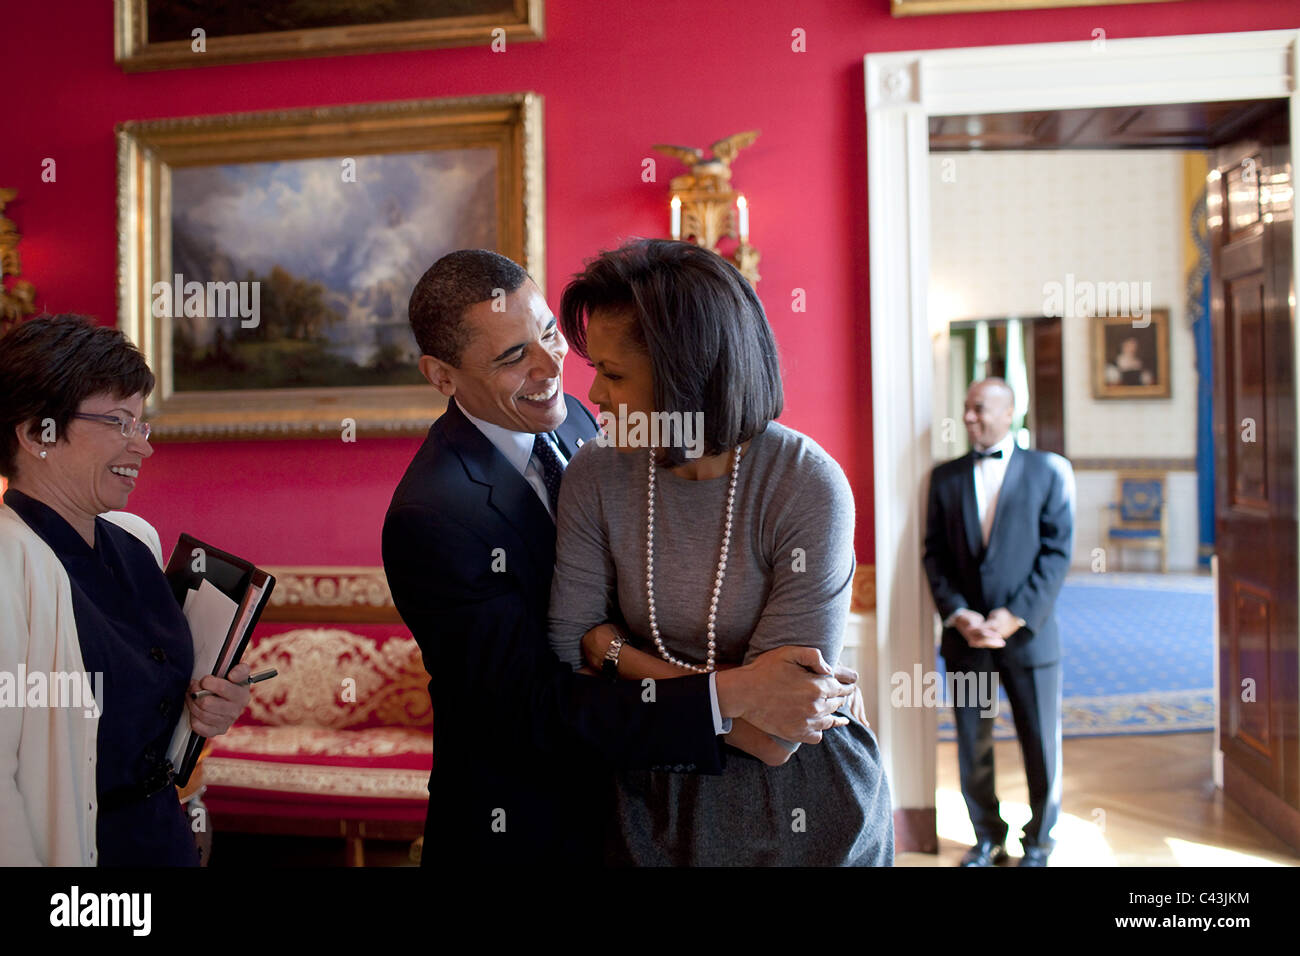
[
  {"x": 511, "y": 372},
  {"x": 990, "y": 410}
]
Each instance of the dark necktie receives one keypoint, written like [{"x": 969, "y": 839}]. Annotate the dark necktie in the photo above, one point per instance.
[
  {"x": 552, "y": 469},
  {"x": 981, "y": 455}
]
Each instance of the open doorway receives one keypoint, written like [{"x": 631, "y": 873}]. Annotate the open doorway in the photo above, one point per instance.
[
  {"x": 1070, "y": 256},
  {"x": 904, "y": 91}
]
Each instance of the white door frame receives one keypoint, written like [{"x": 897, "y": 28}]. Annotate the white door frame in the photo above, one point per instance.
[{"x": 903, "y": 90}]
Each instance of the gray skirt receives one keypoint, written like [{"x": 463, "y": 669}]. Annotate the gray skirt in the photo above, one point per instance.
[{"x": 828, "y": 805}]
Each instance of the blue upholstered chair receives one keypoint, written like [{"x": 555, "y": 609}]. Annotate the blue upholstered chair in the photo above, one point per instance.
[{"x": 1139, "y": 518}]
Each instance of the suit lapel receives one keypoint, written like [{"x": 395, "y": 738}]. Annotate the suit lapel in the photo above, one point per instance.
[
  {"x": 576, "y": 430},
  {"x": 507, "y": 492},
  {"x": 568, "y": 441},
  {"x": 970, "y": 513},
  {"x": 1010, "y": 484}
]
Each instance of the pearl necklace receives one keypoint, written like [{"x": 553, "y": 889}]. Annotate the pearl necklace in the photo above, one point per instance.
[{"x": 717, "y": 581}]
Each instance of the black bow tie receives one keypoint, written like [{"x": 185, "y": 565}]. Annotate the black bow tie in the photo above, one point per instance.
[{"x": 980, "y": 455}]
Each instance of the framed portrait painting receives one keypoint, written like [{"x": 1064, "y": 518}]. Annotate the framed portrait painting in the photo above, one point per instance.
[
  {"x": 1130, "y": 357},
  {"x": 165, "y": 34},
  {"x": 266, "y": 259}
]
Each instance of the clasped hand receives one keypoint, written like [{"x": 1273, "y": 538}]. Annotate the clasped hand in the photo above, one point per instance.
[
  {"x": 788, "y": 692},
  {"x": 794, "y": 694},
  {"x": 991, "y": 631}
]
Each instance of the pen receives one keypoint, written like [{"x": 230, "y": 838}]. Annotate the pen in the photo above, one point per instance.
[{"x": 253, "y": 679}]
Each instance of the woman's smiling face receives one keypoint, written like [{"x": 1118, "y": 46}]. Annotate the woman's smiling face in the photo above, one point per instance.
[
  {"x": 624, "y": 381},
  {"x": 90, "y": 470}
]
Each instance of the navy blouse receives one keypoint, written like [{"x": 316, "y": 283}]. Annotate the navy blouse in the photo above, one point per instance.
[{"x": 131, "y": 631}]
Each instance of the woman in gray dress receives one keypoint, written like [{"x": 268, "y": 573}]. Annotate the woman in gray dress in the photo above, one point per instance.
[{"x": 697, "y": 534}]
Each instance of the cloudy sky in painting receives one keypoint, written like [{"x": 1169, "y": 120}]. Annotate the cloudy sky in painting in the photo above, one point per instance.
[{"x": 403, "y": 212}]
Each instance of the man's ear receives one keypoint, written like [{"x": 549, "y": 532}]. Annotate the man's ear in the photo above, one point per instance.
[{"x": 438, "y": 374}]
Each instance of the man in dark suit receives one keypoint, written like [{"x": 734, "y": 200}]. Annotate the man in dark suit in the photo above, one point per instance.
[
  {"x": 998, "y": 536},
  {"x": 469, "y": 549}
]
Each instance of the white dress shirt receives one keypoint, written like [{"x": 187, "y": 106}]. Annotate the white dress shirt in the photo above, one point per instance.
[
  {"x": 989, "y": 475},
  {"x": 517, "y": 447}
]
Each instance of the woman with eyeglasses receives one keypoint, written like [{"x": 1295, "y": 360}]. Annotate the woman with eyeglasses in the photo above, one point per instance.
[{"x": 84, "y": 605}]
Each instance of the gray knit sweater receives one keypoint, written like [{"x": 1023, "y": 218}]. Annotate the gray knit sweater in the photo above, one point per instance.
[{"x": 788, "y": 581}]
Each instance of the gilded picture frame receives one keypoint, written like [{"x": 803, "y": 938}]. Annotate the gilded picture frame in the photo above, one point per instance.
[
  {"x": 211, "y": 42},
  {"x": 206, "y": 388},
  {"x": 912, "y": 8},
  {"x": 1130, "y": 357}
]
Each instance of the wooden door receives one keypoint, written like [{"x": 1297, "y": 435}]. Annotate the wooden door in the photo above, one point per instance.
[
  {"x": 1047, "y": 388},
  {"x": 1250, "y": 210}
]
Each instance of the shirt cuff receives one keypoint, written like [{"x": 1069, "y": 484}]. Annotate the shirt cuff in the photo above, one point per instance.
[
  {"x": 948, "y": 621},
  {"x": 721, "y": 725}
]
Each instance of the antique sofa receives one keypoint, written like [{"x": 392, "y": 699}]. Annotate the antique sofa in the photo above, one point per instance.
[{"x": 341, "y": 741}]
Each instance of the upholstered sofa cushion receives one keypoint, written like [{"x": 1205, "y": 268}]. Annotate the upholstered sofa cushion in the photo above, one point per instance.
[
  {"x": 362, "y": 677},
  {"x": 345, "y": 730}
]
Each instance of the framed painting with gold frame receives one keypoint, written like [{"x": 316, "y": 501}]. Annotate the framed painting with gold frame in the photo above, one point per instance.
[
  {"x": 265, "y": 259},
  {"x": 166, "y": 34},
  {"x": 908, "y": 8},
  {"x": 1130, "y": 359}
]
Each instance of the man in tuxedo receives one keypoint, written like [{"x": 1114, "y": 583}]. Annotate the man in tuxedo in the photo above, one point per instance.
[
  {"x": 520, "y": 741},
  {"x": 998, "y": 536}
]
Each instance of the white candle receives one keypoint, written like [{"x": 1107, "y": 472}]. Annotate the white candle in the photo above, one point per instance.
[
  {"x": 743, "y": 206},
  {"x": 677, "y": 218}
]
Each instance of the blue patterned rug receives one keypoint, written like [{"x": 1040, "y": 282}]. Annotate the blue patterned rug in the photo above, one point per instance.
[{"x": 1137, "y": 653}]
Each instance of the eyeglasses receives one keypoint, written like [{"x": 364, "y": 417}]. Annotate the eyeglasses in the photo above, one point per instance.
[{"x": 129, "y": 426}]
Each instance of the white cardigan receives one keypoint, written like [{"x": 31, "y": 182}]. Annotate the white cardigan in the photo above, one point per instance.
[{"x": 47, "y": 795}]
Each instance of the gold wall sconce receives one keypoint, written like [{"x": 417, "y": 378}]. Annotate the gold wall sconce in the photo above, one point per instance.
[
  {"x": 705, "y": 210},
  {"x": 17, "y": 298}
]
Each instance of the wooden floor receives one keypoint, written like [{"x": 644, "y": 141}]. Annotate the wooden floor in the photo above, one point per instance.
[{"x": 1127, "y": 801}]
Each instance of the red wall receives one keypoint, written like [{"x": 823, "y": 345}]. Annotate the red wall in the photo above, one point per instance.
[{"x": 616, "y": 78}]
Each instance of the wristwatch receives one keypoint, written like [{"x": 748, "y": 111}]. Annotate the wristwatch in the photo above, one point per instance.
[{"x": 609, "y": 667}]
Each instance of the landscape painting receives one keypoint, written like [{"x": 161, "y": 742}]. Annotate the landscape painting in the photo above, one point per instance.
[
  {"x": 335, "y": 262},
  {"x": 266, "y": 260}
]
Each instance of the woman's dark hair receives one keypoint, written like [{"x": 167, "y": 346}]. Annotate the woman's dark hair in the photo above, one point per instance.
[
  {"x": 710, "y": 346},
  {"x": 50, "y": 364}
]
